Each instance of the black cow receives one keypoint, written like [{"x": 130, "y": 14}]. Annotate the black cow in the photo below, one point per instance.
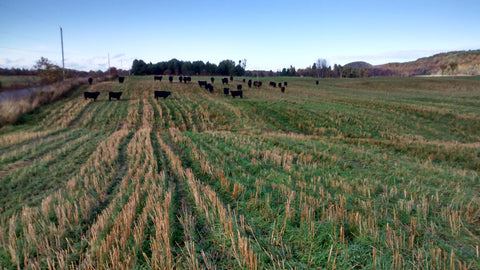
[
  {"x": 239, "y": 87},
  {"x": 225, "y": 81},
  {"x": 212, "y": 79},
  {"x": 238, "y": 93},
  {"x": 257, "y": 84},
  {"x": 282, "y": 89},
  {"x": 249, "y": 83},
  {"x": 114, "y": 95},
  {"x": 157, "y": 78},
  {"x": 90, "y": 81},
  {"x": 316, "y": 82},
  {"x": 202, "y": 83},
  {"x": 163, "y": 94},
  {"x": 226, "y": 91},
  {"x": 273, "y": 84},
  {"x": 121, "y": 79},
  {"x": 285, "y": 84},
  {"x": 209, "y": 87},
  {"x": 187, "y": 79},
  {"x": 231, "y": 78},
  {"x": 180, "y": 79},
  {"x": 92, "y": 95},
  {"x": 170, "y": 78},
  {"x": 279, "y": 84}
]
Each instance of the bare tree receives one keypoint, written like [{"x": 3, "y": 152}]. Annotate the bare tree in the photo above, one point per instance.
[{"x": 321, "y": 66}]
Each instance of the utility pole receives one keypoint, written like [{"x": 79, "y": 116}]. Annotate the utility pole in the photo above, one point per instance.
[{"x": 63, "y": 58}]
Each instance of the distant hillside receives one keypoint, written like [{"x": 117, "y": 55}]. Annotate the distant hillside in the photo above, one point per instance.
[
  {"x": 359, "y": 64},
  {"x": 468, "y": 63}
]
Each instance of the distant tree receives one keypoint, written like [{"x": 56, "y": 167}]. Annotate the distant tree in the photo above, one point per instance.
[
  {"x": 443, "y": 67},
  {"x": 321, "y": 65},
  {"x": 48, "y": 71},
  {"x": 453, "y": 66},
  {"x": 226, "y": 67}
]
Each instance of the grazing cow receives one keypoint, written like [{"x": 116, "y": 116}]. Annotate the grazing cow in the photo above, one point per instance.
[
  {"x": 157, "y": 78},
  {"x": 121, "y": 79},
  {"x": 283, "y": 89},
  {"x": 239, "y": 87},
  {"x": 316, "y": 82},
  {"x": 170, "y": 78},
  {"x": 285, "y": 83},
  {"x": 257, "y": 84},
  {"x": 116, "y": 95},
  {"x": 202, "y": 83},
  {"x": 209, "y": 87},
  {"x": 243, "y": 80},
  {"x": 231, "y": 78},
  {"x": 279, "y": 84},
  {"x": 187, "y": 79},
  {"x": 238, "y": 93},
  {"x": 92, "y": 95},
  {"x": 225, "y": 81},
  {"x": 226, "y": 91},
  {"x": 90, "y": 81},
  {"x": 163, "y": 94},
  {"x": 180, "y": 79},
  {"x": 249, "y": 83},
  {"x": 212, "y": 79},
  {"x": 273, "y": 84}
]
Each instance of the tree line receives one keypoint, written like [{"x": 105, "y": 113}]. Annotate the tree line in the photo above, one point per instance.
[{"x": 177, "y": 67}]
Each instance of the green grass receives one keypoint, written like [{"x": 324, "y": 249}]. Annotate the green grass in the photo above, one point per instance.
[{"x": 375, "y": 173}]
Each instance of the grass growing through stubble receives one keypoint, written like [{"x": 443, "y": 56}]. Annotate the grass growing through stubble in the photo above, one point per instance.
[{"x": 374, "y": 173}]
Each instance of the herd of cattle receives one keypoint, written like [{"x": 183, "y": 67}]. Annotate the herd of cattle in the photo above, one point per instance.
[{"x": 186, "y": 79}]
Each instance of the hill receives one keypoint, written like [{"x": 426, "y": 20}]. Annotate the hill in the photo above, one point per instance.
[
  {"x": 468, "y": 64},
  {"x": 360, "y": 64}
]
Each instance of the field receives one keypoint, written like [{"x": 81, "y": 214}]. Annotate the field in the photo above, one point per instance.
[{"x": 378, "y": 173}]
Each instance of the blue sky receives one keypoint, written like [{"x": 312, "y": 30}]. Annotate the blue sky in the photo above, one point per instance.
[{"x": 271, "y": 35}]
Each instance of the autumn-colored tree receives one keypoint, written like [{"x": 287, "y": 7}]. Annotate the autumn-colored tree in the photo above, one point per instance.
[
  {"x": 48, "y": 71},
  {"x": 453, "y": 66},
  {"x": 443, "y": 67}
]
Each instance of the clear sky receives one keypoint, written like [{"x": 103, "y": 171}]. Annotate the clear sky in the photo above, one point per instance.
[{"x": 271, "y": 35}]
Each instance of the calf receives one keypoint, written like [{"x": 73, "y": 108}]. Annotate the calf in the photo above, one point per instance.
[
  {"x": 239, "y": 87},
  {"x": 114, "y": 95},
  {"x": 92, "y": 95},
  {"x": 157, "y": 78},
  {"x": 121, "y": 79},
  {"x": 90, "y": 81},
  {"x": 163, "y": 94},
  {"x": 238, "y": 93},
  {"x": 226, "y": 91},
  {"x": 225, "y": 81},
  {"x": 209, "y": 87}
]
